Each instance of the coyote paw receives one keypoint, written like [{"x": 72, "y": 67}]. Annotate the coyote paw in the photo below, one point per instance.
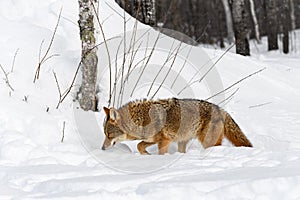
[{"x": 145, "y": 153}]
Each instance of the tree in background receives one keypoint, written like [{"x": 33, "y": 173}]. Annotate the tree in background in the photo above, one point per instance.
[
  {"x": 89, "y": 60},
  {"x": 255, "y": 21},
  {"x": 240, "y": 14},
  {"x": 210, "y": 22},
  {"x": 229, "y": 23},
  {"x": 271, "y": 11},
  {"x": 292, "y": 13},
  {"x": 149, "y": 13},
  {"x": 143, "y": 10},
  {"x": 218, "y": 11},
  {"x": 286, "y": 25}
]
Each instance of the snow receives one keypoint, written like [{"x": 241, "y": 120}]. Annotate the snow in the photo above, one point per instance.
[{"x": 34, "y": 164}]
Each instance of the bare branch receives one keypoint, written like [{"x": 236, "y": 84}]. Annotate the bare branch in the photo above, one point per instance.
[
  {"x": 68, "y": 90},
  {"x": 106, "y": 46},
  {"x": 124, "y": 57},
  {"x": 14, "y": 60},
  {"x": 40, "y": 50},
  {"x": 229, "y": 98},
  {"x": 6, "y": 79},
  {"x": 159, "y": 71},
  {"x": 63, "y": 132},
  {"x": 45, "y": 57},
  {"x": 58, "y": 88},
  {"x": 260, "y": 105},
  {"x": 183, "y": 66},
  {"x": 116, "y": 74},
  {"x": 199, "y": 80},
  {"x": 130, "y": 69},
  {"x": 241, "y": 80},
  {"x": 114, "y": 10},
  {"x": 167, "y": 72},
  {"x": 147, "y": 62},
  {"x": 59, "y": 91},
  {"x": 65, "y": 93},
  {"x": 104, "y": 20}
]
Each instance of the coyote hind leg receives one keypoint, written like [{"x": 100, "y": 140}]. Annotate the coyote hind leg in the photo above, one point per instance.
[{"x": 213, "y": 135}]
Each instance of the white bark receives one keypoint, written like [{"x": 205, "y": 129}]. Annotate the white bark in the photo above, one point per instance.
[
  {"x": 229, "y": 23},
  {"x": 255, "y": 22},
  {"x": 87, "y": 94}
]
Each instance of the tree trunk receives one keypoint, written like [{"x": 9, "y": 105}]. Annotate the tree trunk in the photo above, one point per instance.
[
  {"x": 240, "y": 15},
  {"x": 293, "y": 17},
  {"x": 229, "y": 24},
  {"x": 271, "y": 17},
  {"x": 143, "y": 10},
  {"x": 218, "y": 13},
  {"x": 293, "y": 24},
  {"x": 255, "y": 21},
  {"x": 87, "y": 94},
  {"x": 286, "y": 25},
  {"x": 149, "y": 12}
]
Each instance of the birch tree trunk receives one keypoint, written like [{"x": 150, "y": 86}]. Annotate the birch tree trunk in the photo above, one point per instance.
[
  {"x": 240, "y": 14},
  {"x": 255, "y": 21},
  {"x": 272, "y": 20},
  {"x": 229, "y": 24},
  {"x": 87, "y": 93}
]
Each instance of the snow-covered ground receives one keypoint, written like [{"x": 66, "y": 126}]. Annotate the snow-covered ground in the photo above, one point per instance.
[{"x": 34, "y": 164}]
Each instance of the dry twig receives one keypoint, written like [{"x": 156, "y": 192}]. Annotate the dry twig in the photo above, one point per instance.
[
  {"x": 58, "y": 88},
  {"x": 260, "y": 105},
  {"x": 106, "y": 46},
  {"x": 191, "y": 82},
  {"x": 46, "y": 57},
  {"x": 241, "y": 80},
  {"x": 175, "y": 56},
  {"x": 228, "y": 98},
  {"x": 14, "y": 60},
  {"x": 63, "y": 132},
  {"x": 6, "y": 79}
]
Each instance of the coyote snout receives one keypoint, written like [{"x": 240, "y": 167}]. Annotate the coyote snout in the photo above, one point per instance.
[{"x": 108, "y": 143}]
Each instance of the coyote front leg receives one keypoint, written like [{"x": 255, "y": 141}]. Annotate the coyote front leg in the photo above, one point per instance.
[
  {"x": 163, "y": 146},
  {"x": 142, "y": 147},
  {"x": 182, "y": 146}
]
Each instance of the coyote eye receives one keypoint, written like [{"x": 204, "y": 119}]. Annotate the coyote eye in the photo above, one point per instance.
[{"x": 110, "y": 135}]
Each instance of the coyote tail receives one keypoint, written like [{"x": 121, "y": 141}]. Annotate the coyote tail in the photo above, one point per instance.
[{"x": 234, "y": 134}]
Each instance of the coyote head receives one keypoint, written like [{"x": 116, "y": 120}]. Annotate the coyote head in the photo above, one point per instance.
[{"x": 112, "y": 131}]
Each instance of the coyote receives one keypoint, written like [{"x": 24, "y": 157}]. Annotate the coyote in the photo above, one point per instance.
[{"x": 171, "y": 120}]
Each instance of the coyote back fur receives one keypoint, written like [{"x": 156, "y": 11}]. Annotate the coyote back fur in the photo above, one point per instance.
[{"x": 171, "y": 120}]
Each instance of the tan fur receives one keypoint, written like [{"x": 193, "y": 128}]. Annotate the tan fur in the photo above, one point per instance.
[{"x": 171, "y": 120}]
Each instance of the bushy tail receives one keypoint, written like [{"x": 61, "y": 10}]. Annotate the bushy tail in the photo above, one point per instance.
[{"x": 234, "y": 134}]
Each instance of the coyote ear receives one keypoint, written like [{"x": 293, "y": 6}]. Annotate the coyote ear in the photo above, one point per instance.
[
  {"x": 106, "y": 110},
  {"x": 113, "y": 114}
]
